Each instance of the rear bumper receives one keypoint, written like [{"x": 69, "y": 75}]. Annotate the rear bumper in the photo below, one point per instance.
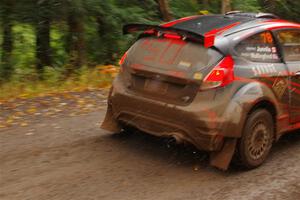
[
  {"x": 162, "y": 128},
  {"x": 198, "y": 123}
]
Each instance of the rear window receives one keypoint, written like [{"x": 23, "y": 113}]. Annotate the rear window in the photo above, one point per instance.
[{"x": 172, "y": 54}]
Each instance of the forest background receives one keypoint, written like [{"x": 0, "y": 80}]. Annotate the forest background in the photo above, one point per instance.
[{"x": 50, "y": 46}]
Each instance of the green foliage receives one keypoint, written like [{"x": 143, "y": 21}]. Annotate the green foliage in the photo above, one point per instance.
[
  {"x": 59, "y": 54},
  {"x": 102, "y": 41},
  {"x": 23, "y": 56},
  {"x": 214, "y": 6},
  {"x": 184, "y": 8},
  {"x": 246, "y": 5},
  {"x": 54, "y": 83},
  {"x": 288, "y": 9}
]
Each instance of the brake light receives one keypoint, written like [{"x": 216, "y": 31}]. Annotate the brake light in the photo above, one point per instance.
[
  {"x": 150, "y": 32},
  {"x": 123, "y": 59},
  {"x": 172, "y": 36},
  {"x": 220, "y": 76}
]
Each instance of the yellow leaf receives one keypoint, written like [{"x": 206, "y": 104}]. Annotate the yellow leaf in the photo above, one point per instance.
[
  {"x": 31, "y": 110},
  {"x": 19, "y": 113},
  {"x": 24, "y": 95},
  {"x": 23, "y": 124},
  {"x": 9, "y": 121},
  {"x": 2, "y": 126}
]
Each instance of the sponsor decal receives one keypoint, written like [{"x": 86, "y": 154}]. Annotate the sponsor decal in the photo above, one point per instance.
[
  {"x": 198, "y": 76},
  {"x": 262, "y": 53},
  {"x": 184, "y": 65},
  {"x": 280, "y": 85},
  {"x": 260, "y": 70}
]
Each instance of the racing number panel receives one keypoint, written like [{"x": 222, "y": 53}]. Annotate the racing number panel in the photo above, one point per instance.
[{"x": 259, "y": 59}]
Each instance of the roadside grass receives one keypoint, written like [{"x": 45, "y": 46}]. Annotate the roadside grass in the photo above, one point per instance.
[{"x": 28, "y": 86}]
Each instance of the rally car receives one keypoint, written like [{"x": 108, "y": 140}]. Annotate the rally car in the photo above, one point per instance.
[{"x": 228, "y": 84}]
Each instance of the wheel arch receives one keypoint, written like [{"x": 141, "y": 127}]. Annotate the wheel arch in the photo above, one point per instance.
[
  {"x": 249, "y": 98},
  {"x": 267, "y": 105}
]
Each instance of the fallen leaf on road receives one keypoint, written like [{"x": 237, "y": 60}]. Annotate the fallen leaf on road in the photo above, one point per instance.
[
  {"x": 31, "y": 110},
  {"x": 10, "y": 121},
  {"x": 20, "y": 113},
  {"x": 63, "y": 104},
  {"x": 23, "y": 124},
  {"x": 2, "y": 126}
]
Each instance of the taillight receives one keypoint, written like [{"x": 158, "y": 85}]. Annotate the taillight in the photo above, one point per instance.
[
  {"x": 172, "y": 36},
  {"x": 123, "y": 59},
  {"x": 220, "y": 76}
]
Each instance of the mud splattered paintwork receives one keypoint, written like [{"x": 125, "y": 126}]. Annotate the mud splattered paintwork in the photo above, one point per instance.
[{"x": 171, "y": 103}]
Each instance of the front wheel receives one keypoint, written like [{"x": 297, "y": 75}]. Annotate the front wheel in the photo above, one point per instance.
[{"x": 257, "y": 139}]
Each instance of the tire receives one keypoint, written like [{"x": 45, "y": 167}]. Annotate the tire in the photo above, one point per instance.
[{"x": 257, "y": 139}]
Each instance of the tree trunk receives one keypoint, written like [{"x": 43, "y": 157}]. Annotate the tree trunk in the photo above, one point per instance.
[
  {"x": 205, "y": 4},
  {"x": 42, "y": 29},
  {"x": 109, "y": 42},
  {"x": 75, "y": 43},
  {"x": 165, "y": 10},
  {"x": 43, "y": 49},
  {"x": 7, "y": 44},
  {"x": 226, "y": 6}
]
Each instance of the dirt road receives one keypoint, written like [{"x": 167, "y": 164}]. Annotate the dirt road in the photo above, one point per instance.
[{"x": 69, "y": 157}]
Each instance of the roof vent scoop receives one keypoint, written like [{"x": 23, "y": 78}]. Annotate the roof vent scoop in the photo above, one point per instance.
[
  {"x": 233, "y": 12},
  {"x": 251, "y": 15},
  {"x": 267, "y": 15}
]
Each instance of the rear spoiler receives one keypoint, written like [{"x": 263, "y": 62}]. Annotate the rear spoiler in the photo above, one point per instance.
[
  {"x": 207, "y": 39},
  {"x": 131, "y": 28}
]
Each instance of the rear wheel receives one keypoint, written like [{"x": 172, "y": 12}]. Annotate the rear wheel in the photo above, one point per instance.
[{"x": 257, "y": 139}]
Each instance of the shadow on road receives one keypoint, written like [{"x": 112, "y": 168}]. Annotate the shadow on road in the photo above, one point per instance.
[
  {"x": 185, "y": 155},
  {"x": 287, "y": 141},
  {"x": 161, "y": 148}
]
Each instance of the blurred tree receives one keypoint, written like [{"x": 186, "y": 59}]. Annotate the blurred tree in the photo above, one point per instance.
[
  {"x": 43, "y": 22},
  {"x": 7, "y": 40},
  {"x": 76, "y": 39},
  {"x": 205, "y": 4},
  {"x": 246, "y": 5},
  {"x": 213, "y": 6},
  {"x": 288, "y": 9},
  {"x": 226, "y": 6},
  {"x": 165, "y": 10},
  {"x": 185, "y": 8},
  {"x": 107, "y": 29},
  {"x": 68, "y": 34}
]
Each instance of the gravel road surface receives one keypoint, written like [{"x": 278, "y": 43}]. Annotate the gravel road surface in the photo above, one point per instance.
[{"x": 70, "y": 157}]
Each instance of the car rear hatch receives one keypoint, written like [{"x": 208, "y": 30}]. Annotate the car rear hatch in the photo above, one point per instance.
[{"x": 168, "y": 67}]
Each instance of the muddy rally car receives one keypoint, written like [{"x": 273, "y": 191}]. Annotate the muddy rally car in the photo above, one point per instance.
[{"x": 228, "y": 84}]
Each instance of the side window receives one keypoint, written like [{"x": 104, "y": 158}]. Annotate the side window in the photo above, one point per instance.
[
  {"x": 259, "y": 48},
  {"x": 290, "y": 42}
]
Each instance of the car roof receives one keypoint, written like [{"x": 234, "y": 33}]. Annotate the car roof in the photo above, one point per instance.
[
  {"x": 229, "y": 23},
  {"x": 212, "y": 30}
]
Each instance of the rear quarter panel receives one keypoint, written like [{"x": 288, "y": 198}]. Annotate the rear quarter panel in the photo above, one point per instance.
[{"x": 254, "y": 83}]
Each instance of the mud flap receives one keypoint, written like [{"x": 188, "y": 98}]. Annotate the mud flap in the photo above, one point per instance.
[
  {"x": 109, "y": 123},
  {"x": 222, "y": 159}
]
